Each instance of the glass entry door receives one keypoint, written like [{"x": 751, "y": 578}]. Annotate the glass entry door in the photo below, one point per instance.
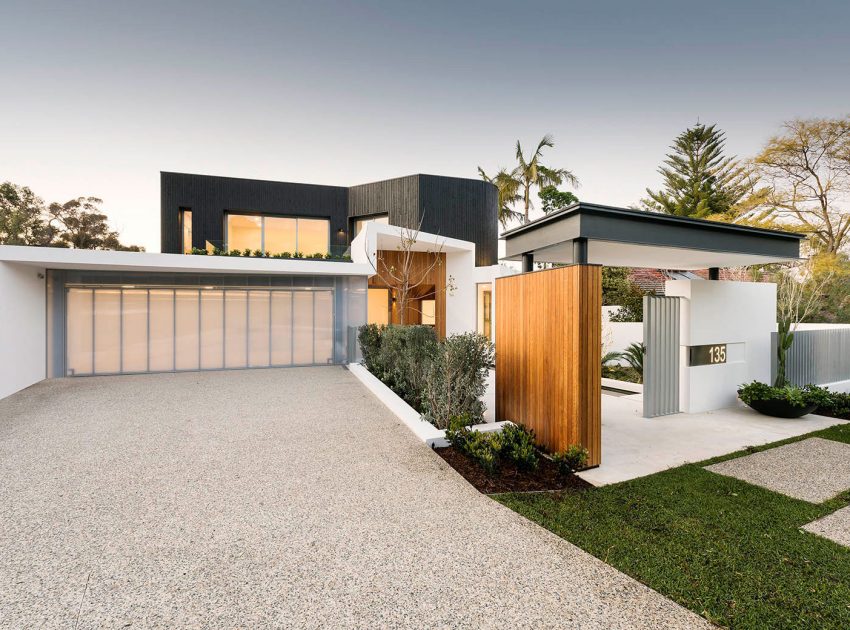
[{"x": 131, "y": 330}]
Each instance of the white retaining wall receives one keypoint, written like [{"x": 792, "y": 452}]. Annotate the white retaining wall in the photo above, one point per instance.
[{"x": 23, "y": 326}]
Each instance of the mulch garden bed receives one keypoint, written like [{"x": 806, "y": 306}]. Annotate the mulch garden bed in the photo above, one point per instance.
[{"x": 510, "y": 478}]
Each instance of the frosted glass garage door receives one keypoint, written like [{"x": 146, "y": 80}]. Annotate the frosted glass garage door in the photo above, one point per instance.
[{"x": 117, "y": 331}]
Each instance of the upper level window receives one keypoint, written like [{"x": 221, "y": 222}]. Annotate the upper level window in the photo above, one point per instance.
[
  {"x": 277, "y": 235},
  {"x": 377, "y": 218},
  {"x": 186, "y": 230}
]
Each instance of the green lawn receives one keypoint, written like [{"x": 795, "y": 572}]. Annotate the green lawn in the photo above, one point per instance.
[{"x": 726, "y": 549}]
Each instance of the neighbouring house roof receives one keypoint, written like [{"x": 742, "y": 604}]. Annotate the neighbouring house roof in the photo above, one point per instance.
[{"x": 632, "y": 238}]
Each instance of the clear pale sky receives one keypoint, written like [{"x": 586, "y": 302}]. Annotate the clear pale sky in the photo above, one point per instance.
[{"x": 98, "y": 97}]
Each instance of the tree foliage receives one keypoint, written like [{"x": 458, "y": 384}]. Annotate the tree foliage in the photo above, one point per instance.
[
  {"x": 515, "y": 186},
  {"x": 699, "y": 180},
  {"x": 808, "y": 168},
  {"x": 618, "y": 290},
  {"x": 553, "y": 199},
  {"x": 508, "y": 189},
  {"x": 78, "y": 223},
  {"x": 22, "y": 217}
]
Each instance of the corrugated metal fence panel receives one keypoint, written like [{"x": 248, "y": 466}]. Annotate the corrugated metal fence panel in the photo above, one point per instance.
[
  {"x": 816, "y": 356},
  {"x": 661, "y": 361}
]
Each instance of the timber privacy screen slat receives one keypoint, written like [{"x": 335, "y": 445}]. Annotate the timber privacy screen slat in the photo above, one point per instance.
[{"x": 548, "y": 355}]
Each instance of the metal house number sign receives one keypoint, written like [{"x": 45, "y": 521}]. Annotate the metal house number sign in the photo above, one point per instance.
[{"x": 713, "y": 354}]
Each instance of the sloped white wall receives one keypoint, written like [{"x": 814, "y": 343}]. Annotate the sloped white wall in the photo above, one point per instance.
[{"x": 23, "y": 321}]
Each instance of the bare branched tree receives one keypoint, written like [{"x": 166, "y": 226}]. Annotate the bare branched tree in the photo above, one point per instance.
[
  {"x": 405, "y": 275},
  {"x": 809, "y": 169}
]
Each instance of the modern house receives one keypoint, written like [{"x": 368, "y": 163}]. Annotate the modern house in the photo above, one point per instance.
[{"x": 312, "y": 271}]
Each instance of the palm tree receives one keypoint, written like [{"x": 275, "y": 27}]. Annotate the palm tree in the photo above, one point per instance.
[
  {"x": 508, "y": 189},
  {"x": 530, "y": 173}
]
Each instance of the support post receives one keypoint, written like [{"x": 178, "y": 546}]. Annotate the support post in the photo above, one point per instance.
[
  {"x": 714, "y": 273},
  {"x": 580, "y": 251},
  {"x": 527, "y": 263}
]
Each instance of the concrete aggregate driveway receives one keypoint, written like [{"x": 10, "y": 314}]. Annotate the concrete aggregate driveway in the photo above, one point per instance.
[{"x": 268, "y": 498}]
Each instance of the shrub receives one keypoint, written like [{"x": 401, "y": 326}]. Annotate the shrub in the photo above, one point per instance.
[
  {"x": 458, "y": 431},
  {"x": 199, "y": 252},
  {"x": 369, "y": 337},
  {"x": 455, "y": 379},
  {"x": 298, "y": 255},
  {"x": 571, "y": 460},
  {"x": 405, "y": 358},
  {"x": 838, "y": 406},
  {"x": 485, "y": 449},
  {"x": 246, "y": 252},
  {"x": 518, "y": 446},
  {"x": 400, "y": 356}
]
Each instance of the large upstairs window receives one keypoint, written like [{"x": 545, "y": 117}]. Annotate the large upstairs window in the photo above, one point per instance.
[{"x": 277, "y": 235}]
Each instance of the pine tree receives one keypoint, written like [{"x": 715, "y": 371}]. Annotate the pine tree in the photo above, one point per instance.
[{"x": 699, "y": 180}]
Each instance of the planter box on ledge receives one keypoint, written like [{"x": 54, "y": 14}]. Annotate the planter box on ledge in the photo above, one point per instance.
[{"x": 422, "y": 429}]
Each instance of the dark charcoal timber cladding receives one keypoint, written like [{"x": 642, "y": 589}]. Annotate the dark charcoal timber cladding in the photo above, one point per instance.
[{"x": 449, "y": 206}]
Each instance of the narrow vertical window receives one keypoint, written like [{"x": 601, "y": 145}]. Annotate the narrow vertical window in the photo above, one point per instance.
[
  {"x": 485, "y": 310},
  {"x": 186, "y": 230}
]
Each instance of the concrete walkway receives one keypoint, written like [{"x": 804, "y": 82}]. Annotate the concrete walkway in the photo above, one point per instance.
[
  {"x": 634, "y": 446},
  {"x": 286, "y": 498}
]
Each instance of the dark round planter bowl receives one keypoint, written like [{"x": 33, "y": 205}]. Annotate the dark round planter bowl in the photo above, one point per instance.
[{"x": 781, "y": 408}]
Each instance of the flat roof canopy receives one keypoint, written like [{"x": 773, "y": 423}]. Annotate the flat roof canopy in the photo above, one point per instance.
[{"x": 622, "y": 237}]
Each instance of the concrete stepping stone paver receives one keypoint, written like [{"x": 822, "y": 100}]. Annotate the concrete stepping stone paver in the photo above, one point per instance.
[
  {"x": 813, "y": 470},
  {"x": 835, "y": 526}
]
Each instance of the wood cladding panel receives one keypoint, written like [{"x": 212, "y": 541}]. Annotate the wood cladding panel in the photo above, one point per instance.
[
  {"x": 209, "y": 198},
  {"x": 430, "y": 281},
  {"x": 454, "y": 207},
  {"x": 548, "y": 355}
]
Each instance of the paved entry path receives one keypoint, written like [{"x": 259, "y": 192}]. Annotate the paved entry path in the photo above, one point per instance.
[{"x": 285, "y": 498}]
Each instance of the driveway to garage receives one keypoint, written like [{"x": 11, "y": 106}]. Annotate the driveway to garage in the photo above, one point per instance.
[{"x": 280, "y": 497}]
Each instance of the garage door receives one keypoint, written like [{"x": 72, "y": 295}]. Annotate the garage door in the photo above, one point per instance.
[{"x": 132, "y": 330}]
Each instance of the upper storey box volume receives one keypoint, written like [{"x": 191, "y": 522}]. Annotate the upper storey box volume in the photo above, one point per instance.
[{"x": 288, "y": 217}]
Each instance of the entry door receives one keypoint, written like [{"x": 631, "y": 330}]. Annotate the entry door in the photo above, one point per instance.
[{"x": 117, "y": 330}]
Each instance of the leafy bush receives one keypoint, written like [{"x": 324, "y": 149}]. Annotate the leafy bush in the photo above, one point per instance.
[
  {"x": 571, "y": 460},
  {"x": 518, "y": 446},
  {"x": 838, "y": 406},
  {"x": 455, "y": 379},
  {"x": 798, "y": 396},
  {"x": 369, "y": 337},
  {"x": 634, "y": 355},
  {"x": 400, "y": 357},
  {"x": 513, "y": 442}
]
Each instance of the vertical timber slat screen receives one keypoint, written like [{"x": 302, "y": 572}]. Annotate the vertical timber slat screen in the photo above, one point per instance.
[{"x": 548, "y": 355}]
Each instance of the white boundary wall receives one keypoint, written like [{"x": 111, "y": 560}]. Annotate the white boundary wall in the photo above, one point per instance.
[
  {"x": 739, "y": 314},
  {"x": 23, "y": 327}
]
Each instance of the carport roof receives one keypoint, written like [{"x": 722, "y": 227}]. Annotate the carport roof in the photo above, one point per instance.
[{"x": 633, "y": 238}]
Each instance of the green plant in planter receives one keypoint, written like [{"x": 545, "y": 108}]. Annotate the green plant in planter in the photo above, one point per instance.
[
  {"x": 791, "y": 394},
  {"x": 286, "y": 255},
  {"x": 233, "y": 252},
  {"x": 571, "y": 460},
  {"x": 298, "y": 255}
]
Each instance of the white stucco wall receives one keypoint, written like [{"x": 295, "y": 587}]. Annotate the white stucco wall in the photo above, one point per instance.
[
  {"x": 22, "y": 327},
  {"x": 740, "y": 314}
]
